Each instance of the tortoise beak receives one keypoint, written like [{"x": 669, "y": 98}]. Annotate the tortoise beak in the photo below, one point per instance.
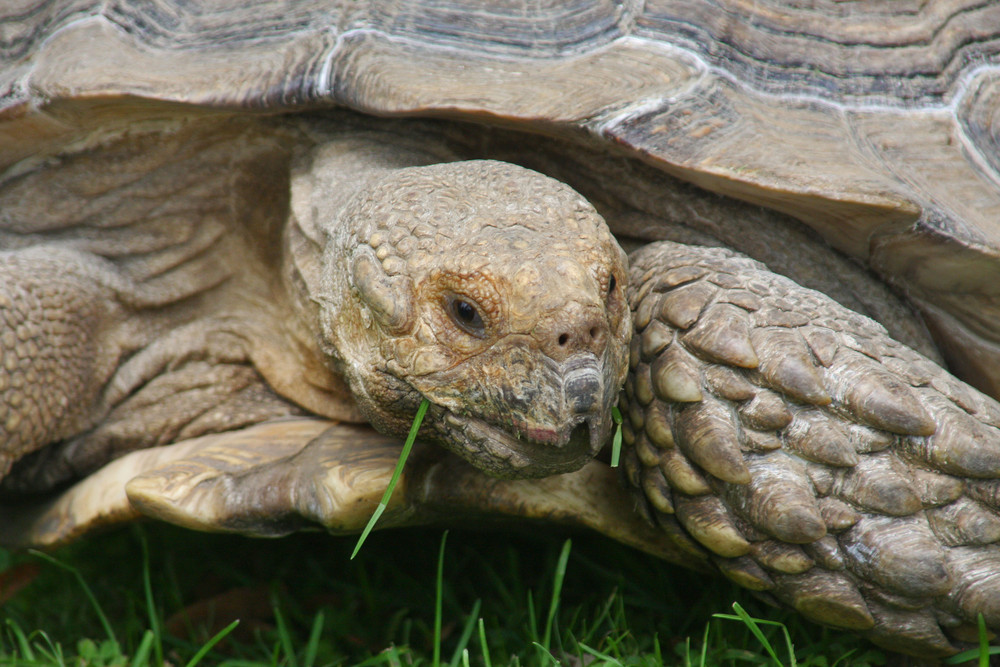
[
  {"x": 583, "y": 389},
  {"x": 586, "y": 400}
]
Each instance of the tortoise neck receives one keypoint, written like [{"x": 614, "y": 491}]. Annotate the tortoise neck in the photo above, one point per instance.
[{"x": 321, "y": 237}]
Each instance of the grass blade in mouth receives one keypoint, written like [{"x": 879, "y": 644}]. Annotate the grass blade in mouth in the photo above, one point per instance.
[
  {"x": 407, "y": 446},
  {"x": 616, "y": 442}
]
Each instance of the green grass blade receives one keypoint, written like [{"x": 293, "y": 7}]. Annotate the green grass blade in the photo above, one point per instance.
[
  {"x": 438, "y": 597},
  {"x": 844, "y": 658},
  {"x": 393, "y": 657},
  {"x": 751, "y": 623},
  {"x": 532, "y": 619},
  {"x": 23, "y": 645},
  {"x": 703, "y": 659},
  {"x": 982, "y": 653},
  {"x": 601, "y": 656},
  {"x": 547, "y": 653},
  {"x": 312, "y": 646},
  {"x": 616, "y": 442},
  {"x": 372, "y": 521},
  {"x": 407, "y": 446},
  {"x": 789, "y": 646},
  {"x": 972, "y": 654},
  {"x": 53, "y": 653},
  {"x": 984, "y": 642},
  {"x": 754, "y": 625},
  {"x": 284, "y": 636},
  {"x": 557, "y": 583},
  {"x": 609, "y": 611},
  {"x": 141, "y": 657},
  {"x": 463, "y": 640},
  {"x": 154, "y": 619},
  {"x": 483, "y": 645},
  {"x": 219, "y": 636},
  {"x": 86, "y": 589}
]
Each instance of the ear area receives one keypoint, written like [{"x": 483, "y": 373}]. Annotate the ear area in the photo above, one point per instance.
[{"x": 390, "y": 298}]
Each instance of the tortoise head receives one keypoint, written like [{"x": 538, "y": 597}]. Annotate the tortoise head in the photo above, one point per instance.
[{"x": 492, "y": 291}]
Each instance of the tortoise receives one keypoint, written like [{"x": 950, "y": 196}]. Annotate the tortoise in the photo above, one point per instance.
[{"x": 234, "y": 239}]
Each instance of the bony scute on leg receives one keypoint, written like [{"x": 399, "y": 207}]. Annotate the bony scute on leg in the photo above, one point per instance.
[{"x": 815, "y": 457}]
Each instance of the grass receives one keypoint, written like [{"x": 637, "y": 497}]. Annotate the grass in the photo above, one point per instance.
[
  {"x": 616, "y": 441},
  {"x": 396, "y": 473},
  {"x": 484, "y": 599}
]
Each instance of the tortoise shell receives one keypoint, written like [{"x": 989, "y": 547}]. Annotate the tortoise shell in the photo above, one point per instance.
[{"x": 874, "y": 124}]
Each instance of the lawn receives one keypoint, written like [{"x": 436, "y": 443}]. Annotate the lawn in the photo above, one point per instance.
[{"x": 534, "y": 598}]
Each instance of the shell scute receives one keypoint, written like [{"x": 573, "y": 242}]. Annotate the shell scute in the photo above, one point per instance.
[
  {"x": 964, "y": 522},
  {"x": 766, "y": 412},
  {"x": 876, "y": 397},
  {"x": 830, "y": 598},
  {"x": 710, "y": 523},
  {"x": 879, "y": 483},
  {"x": 787, "y": 365},
  {"x": 817, "y": 437},
  {"x": 676, "y": 375}
]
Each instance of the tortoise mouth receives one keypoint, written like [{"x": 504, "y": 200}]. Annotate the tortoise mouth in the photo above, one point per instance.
[{"x": 537, "y": 452}]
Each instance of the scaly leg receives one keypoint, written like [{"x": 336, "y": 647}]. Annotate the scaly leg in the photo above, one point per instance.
[
  {"x": 53, "y": 309},
  {"x": 809, "y": 455},
  {"x": 94, "y": 365}
]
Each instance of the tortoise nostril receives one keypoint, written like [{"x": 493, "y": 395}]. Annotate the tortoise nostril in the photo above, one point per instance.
[
  {"x": 592, "y": 335},
  {"x": 572, "y": 330}
]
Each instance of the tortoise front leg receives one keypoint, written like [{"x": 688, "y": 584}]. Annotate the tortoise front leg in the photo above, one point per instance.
[
  {"x": 94, "y": 364},
  {"x": 54, "y": 307},
  {"x": 810, "y": 456}
]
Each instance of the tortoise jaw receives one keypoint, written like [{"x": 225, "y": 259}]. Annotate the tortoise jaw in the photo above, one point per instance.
[
  {"x": 526, "y": 453},
  {"x": 545, "y": 417}
]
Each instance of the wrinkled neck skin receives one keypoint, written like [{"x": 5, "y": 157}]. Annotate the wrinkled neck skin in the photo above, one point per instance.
[{"x": 492, "y": 291}]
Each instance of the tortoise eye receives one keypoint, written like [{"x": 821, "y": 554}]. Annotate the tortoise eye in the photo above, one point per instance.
[
  {"x": 465, "y": 314},
  {"x": 613, "y": 301}
]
